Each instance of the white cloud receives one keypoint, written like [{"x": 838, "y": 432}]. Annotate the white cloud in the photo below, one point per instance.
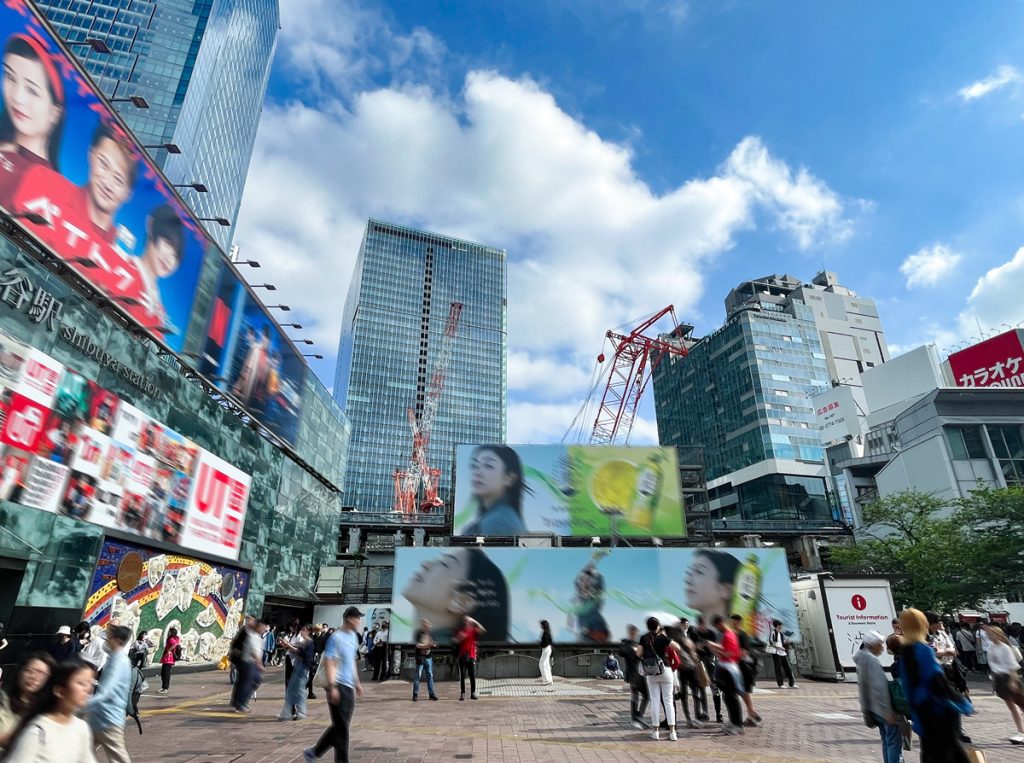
[
  {"x": 590, "y": 244},
  {"x": 996, "y": 298},
  {"x": 538, "y": 423},
  {"x": 929, "y": 265},
  {"x": 1002, "y": 77}
]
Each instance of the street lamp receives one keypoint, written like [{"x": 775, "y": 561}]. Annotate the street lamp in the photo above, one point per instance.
[
  {"x": 197, "y": 187},
  {"x": 291, "y": 325},
  {"x": 135, "y": 100},
  {"x": 318, "y": 357},
  {"x": 222, "y": 221},
  {"x": 99, "y": 46},
  {"x": 302, "y": 341},
  {"x": 172, "y": 148},
  {"x": 250, "y": 263},
  {"x": 267, "y": 286},
  {"x": 285, "y": 308}
]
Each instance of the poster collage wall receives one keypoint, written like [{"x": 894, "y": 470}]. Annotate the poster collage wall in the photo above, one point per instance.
[
  {"x": 69, "y": 446},
  {"x": 150, "y": 591}
]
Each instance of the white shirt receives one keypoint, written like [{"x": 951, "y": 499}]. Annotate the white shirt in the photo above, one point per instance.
[
  {"x": 941, "y": 641},
  {"x": 984, "y": 641},
  {"x": 94, "y": 653},
  {"x": 46, "y": 741},
  {"x": 1001, "y": 659}
]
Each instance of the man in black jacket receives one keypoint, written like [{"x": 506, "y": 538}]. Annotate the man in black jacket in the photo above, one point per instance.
[{"x": 639, "y": 696}]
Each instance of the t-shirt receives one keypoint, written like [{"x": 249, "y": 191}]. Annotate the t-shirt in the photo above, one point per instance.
[
  {"x": 417, "y": 637},
  {"x": 545, "y": 639},
  {"x": 342, "y": 647},
  {"x": 658, "y": 643},
  {"x": 731, "y": 647},
  {"x": 467, "y": 642},
  {"x": 13, "y": 164},
  {"x": 46, "y": 741},
  {"x": 627, "y": 651}
]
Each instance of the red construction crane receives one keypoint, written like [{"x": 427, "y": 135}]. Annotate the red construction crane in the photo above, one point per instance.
[
  {"x": 407, "y": 482},
  {"x": 631, "y": 369}
]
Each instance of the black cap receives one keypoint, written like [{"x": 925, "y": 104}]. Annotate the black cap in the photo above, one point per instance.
[{"x": 352, "y": 612}]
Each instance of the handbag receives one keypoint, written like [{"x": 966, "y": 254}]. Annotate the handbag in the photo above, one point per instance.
[
  {"x": 974, "y": 755},
  {"x": 898, "y": 697},
  {"x": 703, "y": 681},
  {"x": 672, "y": 659},
  {"x": 320, "y": 679},
  {"x": 652, "y": 666}
]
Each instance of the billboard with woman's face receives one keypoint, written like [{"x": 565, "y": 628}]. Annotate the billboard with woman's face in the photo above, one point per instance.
[
  {"x": 99, "y": 203},
  {"x": 507, "y": 490},
  {"x": 588, "y": 596}
]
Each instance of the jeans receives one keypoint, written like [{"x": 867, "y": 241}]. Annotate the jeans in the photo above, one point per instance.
[
  {"x": 660, "y": 688},
  {"x": 427, "y": 665},
  {"x": 295, "y": 692},
  {"x": 337, "y": 735},
  {"x": 245, "y": 685},
  {"x": 892, "y": 740},
  {"x": 467, "y": 666}
]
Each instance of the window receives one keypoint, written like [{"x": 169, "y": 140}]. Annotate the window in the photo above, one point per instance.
[
  {"x": 965, "y": 443},
  {"x": 1008, "y": 446}
]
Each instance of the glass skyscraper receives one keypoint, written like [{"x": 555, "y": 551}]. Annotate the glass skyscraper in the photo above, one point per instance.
[
  {"x": 395, "y": 314},
  {"x": 202, "y": 65}
]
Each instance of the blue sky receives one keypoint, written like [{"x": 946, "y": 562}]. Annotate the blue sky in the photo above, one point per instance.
[{"x": 633, "y": 153}]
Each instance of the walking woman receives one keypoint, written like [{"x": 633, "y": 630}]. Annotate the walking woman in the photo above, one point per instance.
[
  {"x": 651, "y": 651},
  {"x": 545, "y": 653},
  {"x": 20, "y": 696},
  {"x": 1003, "y": 666},
  {"x": 300, "y": 651},
  {"x": 171, "y": 654},
  {"x": 934, "y": 704},
  {"x": 53, "y": 733}
]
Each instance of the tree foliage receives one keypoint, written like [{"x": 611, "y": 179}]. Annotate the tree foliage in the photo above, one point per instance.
[{"x": 942, "y": 554}]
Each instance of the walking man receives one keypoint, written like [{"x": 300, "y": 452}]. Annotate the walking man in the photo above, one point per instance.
[
  {"x": 107, "y": 708},
  {"x": 727, "y": 672},
  {"x": 380, "y": 651},
  {"x": 639, "y": 696},
  {"x": 875, "y": 700},
  {"x": 968, "y": 647},
  {"x": 702, "y": 636},
  {"x": 778, "y": 649},
  {"x": 248, "y": 660},
  {"x": 424, "y": 639},
  {"x": 269, "y": 644},
  {"x": 342, "y": 654},
  {"x": 748, "y": 670}
]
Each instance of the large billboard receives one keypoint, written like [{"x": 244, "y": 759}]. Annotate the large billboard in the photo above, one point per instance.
[
  {"x": 248, "y": 356},
  {"x": 104, "y": 209},
  {"x": 838, "y": 414},
  {"x": 505, "y": 490},
  {"x": 996, "y": 362},
  {"x": 68, "y": 445},
  {"x": 153, "y": 591},
  {"x": 588, "y": 596}
]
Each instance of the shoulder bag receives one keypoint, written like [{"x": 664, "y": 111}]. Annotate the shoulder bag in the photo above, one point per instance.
[{"x": 653, "y": 665}]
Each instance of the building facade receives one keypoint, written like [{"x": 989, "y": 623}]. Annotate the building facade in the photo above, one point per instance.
[
  {"x": 394, "y": 321},
  {"x": 201, "y": 65}
]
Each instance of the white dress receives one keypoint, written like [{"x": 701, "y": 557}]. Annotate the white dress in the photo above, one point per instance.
[{"x": 45, "y": 740}]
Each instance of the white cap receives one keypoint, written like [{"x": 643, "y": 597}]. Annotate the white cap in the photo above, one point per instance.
[
  {"x": 871, "y": 638},
  {"x": 64, "y": 630}
]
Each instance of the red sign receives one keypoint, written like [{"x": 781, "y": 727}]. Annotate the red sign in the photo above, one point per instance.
[
  {"x": 24, "y": 425},
  {"x": 996, "y": 362},
  {"x": 859, "y": 602}
]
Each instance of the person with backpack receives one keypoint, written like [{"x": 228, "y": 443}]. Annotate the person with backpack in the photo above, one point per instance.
[
  {"x": 139, "y": 651},
  {"x": 659, "y": 657},
  {"x": 106, "y": 709},
  {"x": 170, "y": 656}
]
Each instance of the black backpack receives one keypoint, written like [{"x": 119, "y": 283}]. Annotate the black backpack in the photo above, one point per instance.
[
  {"x": 237, "y": 648},
  {"x": 138, "y": 686}
]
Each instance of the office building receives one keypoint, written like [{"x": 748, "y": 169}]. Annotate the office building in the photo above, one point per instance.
[
  {"x": 744, "y": 392},
  {"x": 202, "y": 68},
  {"x": 398, "y": 304}
]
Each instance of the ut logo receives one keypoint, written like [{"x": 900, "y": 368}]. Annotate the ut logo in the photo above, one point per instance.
[
  {"x": 25, "y": 426},
  {"x": 215, "y": 491},
  {"x": 45, "y": 377}
]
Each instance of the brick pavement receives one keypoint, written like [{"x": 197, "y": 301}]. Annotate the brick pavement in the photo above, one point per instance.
[{"x": 519, "y": 721}]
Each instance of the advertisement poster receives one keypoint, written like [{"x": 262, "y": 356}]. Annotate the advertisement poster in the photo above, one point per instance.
[
  {"x": 374, "y": 615},
  {"x": 148, "y": 590},
  {"x": 108, "y": 214},
  {"x": 838, "y": 415},
  {"x": 89, "y": 455},
  {"x": 506, "y": 490},
  {"x": 588, "y": 596},
  {"x": 856, "y": 607},
  {"x": 247, "y": 355},
  {"x": 996, "y": 362}
]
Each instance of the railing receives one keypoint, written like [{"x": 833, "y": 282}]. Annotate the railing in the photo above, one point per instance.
[{"x": 778, "y": 525}]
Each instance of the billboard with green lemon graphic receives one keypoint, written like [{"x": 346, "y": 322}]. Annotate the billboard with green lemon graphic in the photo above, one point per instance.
[{"x": 507, "y": 490}]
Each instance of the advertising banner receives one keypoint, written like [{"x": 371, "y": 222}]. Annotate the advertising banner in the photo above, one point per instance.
[
  {"x": 588, "y": 596},
  {"x": 247, "y": 355},
  {"x": 104, "y": 209},
  {"x": 152, "y": 591},
  {"x": 504, "y": 490},
  {"x": 856, "y": 607},
  {"x": 837, "y": 414},
  {"x": 996, "y": 362},
  {"x": 375, "y": 615},
  {"x": 90, "y": 455}
]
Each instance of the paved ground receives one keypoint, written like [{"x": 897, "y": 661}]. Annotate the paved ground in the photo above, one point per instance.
[{"x": 517, "y": 720}]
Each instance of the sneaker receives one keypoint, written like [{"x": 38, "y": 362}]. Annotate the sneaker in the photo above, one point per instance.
[
  {"x": 719, "y": 719},
  {"x": 781, "y": 687},
  {"x": 703, "y": 717},
  {"x": 161, "y": 691},
  {"x": 462, "y": 698},
  {"x": 308, "y": 756},
  {"x": 1017, "y": 739},
  {"x": 794, "y": 686},
  {"x": 750, "y": 723},
  {"x": 656, "y": 735},
  {"x": 672, "y": 736},
  {"x": 637, "y": 725},
  {"x": 299, "y": 718},
  {"x": 285, "y": 718},
  {"x": 473, "y": 696},
  {"x": 433, "y": 698},
  {"x": 415, "y": 698},
  {"x": 694, "y": 725}
]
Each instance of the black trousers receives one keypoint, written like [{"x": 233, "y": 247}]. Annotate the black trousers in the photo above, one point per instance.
[
  {"x": 716, "y": 695},
  {"x": 312, "y": 675},
  {"x": 380, "y": 663},
  {"x": 287, "y": 670},
  {"x": 782, "y": 666},
  {"x": 727, "y": 685},
  {"x": 165, "y": 675},
  {"x": 341, "y": 717},
  {"x": 639, "y": 697},
  {"x": 939, "y": 740},
  {"x": 688, "y": 685},
  {"x": 467, "y": 666}
]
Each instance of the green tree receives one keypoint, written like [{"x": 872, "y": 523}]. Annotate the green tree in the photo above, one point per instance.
[
  {"x": 994, "y": 521},
  {"x": 922, "y": 542}
]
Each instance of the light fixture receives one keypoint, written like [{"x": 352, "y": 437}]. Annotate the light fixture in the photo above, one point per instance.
[
  {"x": 479, "y": 540},
  {"x": 222, "y": 221},
  {"x": 172, "y": 148},
  {"x": 197, "y": 187},
  {"x": 595, "y": 541},
  {"x": 279, "y": 307},
  {"x": 318, "y": 357},
  {"x": 267, "y": 286},
  {"x": 98, "y": 46},
  {"x": 135, "y": 100},
  {"x": 250, "y": 263},
  {"x": 302, "y": 341},
  {"x": 291, "y": 325}
]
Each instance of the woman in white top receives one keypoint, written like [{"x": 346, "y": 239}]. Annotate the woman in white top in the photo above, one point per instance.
[
  {"x": 1003, "y": 665},
  {"x": 53, "y": 734}
]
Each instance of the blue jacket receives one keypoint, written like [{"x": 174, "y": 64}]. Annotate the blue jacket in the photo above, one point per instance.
[{"x": 108, "y": 707}]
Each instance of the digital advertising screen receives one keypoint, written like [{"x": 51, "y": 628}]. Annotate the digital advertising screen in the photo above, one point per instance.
[
  {"x": 72, "y": 447},
  {"x": 507, "y": 490},
  {"x": 102, "y": 207},
  {"x": 588, "y": 596},
  {"x": 247, "y": 355}
]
